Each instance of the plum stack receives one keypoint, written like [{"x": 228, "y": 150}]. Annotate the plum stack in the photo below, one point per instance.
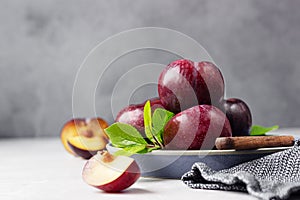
[{"x": 194, "y": 91}]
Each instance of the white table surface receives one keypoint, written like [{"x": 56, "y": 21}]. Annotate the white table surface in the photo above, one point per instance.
[{"x": 40, "y": 169}]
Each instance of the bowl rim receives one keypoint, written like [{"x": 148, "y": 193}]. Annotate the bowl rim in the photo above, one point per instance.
[{"x": 207, "y": 152}]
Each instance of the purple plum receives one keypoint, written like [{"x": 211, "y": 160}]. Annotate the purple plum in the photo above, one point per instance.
[
  {"x": 196, "y": 128},
  {"x": 184, "y": 84},
  {"x": 134, "y": 114},
  {"x": 239, "y": 116}
]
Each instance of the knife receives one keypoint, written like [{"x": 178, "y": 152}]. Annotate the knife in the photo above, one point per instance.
[{"x": 253, "y": 142}]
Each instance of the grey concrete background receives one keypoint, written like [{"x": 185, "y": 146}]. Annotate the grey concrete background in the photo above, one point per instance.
[{"x": 42, "y": 43}]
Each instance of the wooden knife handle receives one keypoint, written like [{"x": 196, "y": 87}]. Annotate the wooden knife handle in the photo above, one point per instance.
[{"x": 253, "y": 142}]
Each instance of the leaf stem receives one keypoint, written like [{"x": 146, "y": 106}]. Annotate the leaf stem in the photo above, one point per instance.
[
  {"x": 156, "y": 140},
  {"x": 150, "y": 145}
]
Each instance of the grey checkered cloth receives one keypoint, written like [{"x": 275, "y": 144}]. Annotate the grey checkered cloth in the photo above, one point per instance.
[{"x": 275, "y": 176}]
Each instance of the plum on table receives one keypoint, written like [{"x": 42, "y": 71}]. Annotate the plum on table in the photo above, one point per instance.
[{"x": 84, "y": 137}]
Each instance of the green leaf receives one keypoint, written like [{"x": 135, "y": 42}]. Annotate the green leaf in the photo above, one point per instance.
[
  {"x": 130, "y": 141},
  {"x": 153, "y": 148},
  {"x": 160, "y": 119},
  {"x": 257, "y": 130},
  {"x": 123, "y": 135},
  {"x": 130, "y": 150},
  {"x": 148, "y": 122},
  {"x": 149, "y": 149}
]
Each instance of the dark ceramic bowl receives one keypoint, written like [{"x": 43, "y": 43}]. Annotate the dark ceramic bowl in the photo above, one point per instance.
[{"x": 174, "y": 163}]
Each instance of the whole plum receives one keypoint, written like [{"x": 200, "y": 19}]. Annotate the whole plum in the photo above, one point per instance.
[
  {"x": 184, "y": 84},
  {"x": 239, "y": 116},
  {"x": 196, "y": 128}
]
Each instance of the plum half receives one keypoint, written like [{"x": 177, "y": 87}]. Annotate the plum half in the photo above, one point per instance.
[
  {"x": 84, "y": 137},
  {"x": 110, "y": 173},
  {"x": 196, "y": 128},
  {"x": 184, "y": 84}
]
